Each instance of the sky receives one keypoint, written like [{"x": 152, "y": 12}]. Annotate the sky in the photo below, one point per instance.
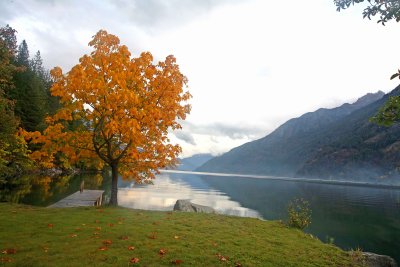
[{"x": 251, "y": 64}]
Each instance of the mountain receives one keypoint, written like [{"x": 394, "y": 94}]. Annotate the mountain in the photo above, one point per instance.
[
  {"x": 193, "y": 162},
  {"x": 337, "y": 143}
]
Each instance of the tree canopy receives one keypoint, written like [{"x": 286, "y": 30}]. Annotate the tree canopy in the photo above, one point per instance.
[
  {"x": 385, "y": 9},
  {"x": 116, "y": 110}
]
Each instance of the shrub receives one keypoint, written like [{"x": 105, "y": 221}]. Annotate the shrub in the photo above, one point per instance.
[{"x": 299, "y": 213}]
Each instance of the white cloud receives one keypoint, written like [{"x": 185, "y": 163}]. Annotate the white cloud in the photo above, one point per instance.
[{"x": 253, "y": 62}]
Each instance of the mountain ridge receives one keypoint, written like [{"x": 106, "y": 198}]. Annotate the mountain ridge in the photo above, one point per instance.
[{"x": 301, "y": 146}]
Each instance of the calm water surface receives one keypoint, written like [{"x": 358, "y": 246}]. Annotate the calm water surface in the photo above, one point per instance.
[{"x": 351, "y": 216}]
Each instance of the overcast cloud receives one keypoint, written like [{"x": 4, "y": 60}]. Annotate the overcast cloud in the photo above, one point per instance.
[{"x": 251, "y": 64}]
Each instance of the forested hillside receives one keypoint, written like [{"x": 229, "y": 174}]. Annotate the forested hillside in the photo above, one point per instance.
[
  {"x": 338, "y": 143},
  {"x": 25, "y": 101}
]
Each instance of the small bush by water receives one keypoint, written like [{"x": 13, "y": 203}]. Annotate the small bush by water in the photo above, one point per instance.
[{"x": 299, "y": 213}]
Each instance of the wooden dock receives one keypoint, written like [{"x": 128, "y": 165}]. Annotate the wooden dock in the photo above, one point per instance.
[{"x": 78, "y": 199}]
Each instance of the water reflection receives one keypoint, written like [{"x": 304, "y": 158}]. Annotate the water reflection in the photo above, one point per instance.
[
  {"x": 167, "y": 189},
  {"x": 353, "y": 216},
  {"x": 42, "y": 190}
]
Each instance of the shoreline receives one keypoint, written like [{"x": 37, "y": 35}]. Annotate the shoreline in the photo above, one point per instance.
[{"x": 289, "y": 179}]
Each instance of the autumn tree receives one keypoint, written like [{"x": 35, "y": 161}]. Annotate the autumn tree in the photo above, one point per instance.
[{"x": 116, "y": 110}]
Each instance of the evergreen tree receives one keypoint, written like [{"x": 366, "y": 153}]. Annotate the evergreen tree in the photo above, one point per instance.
[
  {"x": 23, "y": 54},
  {"x": 13, "y": 150},
  {"x": 29, "y": 92}
]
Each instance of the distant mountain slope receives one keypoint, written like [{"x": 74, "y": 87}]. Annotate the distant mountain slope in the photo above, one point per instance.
[
  {"x": 193, "y": 162},
  {"x": 327, "y": 143}
]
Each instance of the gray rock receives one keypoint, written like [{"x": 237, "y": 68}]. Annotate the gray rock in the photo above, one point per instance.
[
  {"x": 187, "y": 206},
  {"x": 375, "y": 260}
]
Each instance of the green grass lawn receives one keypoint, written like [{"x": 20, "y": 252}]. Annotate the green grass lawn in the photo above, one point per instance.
[{"x": 31, "y": 236}]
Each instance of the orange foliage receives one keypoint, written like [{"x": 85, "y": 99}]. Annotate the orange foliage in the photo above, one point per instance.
[{"x": 117, "y": 109}]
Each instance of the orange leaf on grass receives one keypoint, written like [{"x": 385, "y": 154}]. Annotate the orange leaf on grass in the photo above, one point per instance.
[
  {"x": 131, "y": 248},
  {"x": 73, "y": 235},
  {"x": 124, "y": 237},
  {"x": 153, "y": 235},
  {"x": 134, "y": 260},
  {"x": 177, "y": 262},
  {"x": 107, "y": 242},
  {"x": 9, "y": 251},
  {"x": 111, "y": 224},
  {"x": 103, "y": 248},
  {"x": 50, "y": 225},
  {"x": 222, "y": 258},
  {"x": 5, "y": 259},
  {"x": 238, "y": 264},
  {"x": 162, "y": 252}
]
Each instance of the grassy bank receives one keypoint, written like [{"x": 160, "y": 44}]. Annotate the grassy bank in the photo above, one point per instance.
[{"x": 33, "y": 236}]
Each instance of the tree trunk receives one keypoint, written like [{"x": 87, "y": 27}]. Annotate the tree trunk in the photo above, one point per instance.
[{"x": 114, "y": 185}]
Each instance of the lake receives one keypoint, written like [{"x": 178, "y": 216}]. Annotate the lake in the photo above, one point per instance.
[{"x": 348, "y": 216}]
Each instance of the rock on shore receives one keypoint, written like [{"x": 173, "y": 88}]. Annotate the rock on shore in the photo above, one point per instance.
[
  {"x": 375, "y": 260},
  {"x": 187, "y": 206}
]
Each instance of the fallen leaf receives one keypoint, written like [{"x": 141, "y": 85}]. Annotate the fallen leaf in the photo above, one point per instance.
[
  {"x": 153, "y": 235},
  {"x": 107, "y": 242},
  {"x": 45, "y": 249},
  {"x": 50, "y": 225},
  {"x": 111, "y": 224},
  {"x": 124, "y": 237},
  {"x": 95, "y": 233},
  {"x": 5, "y": 259},
  {"x": 73, "y": 235},
  {"x": 96, "y": 221},
  {"x": 134, "y": 260},
  {"x": 98, "y": 228},
  {"x": 103, "y": 248},
  {"x": 131, "y": 248},
  {"x": 222, "y": 258},
  {"x": 9, "y": 251},
  {"x": 177, "y": 262},
  {"x": 238, "y": 264},
  {"x": 78, "y": 229},
  {"x": 176, "y": 237},
  {"x": 162, "y": 252}
]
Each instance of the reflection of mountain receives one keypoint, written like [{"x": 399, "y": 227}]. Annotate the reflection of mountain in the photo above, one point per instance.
[{"x": 336, "y": 143}]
